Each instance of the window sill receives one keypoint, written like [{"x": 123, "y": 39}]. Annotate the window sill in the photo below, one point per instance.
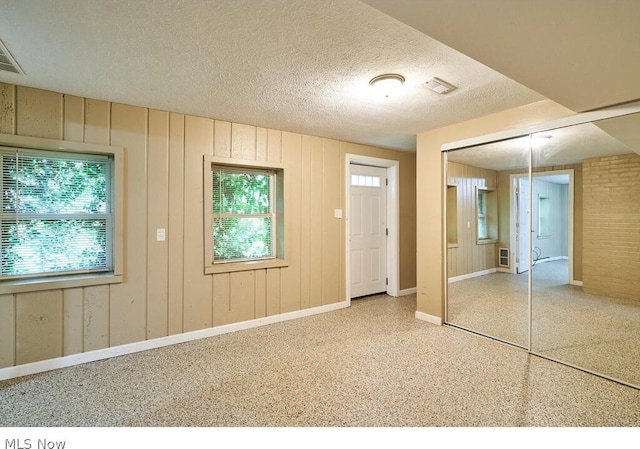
[
  {"x": 486, "y": 241},
  {"x": 245, "y": 266},
  {"x": 452, "y": 245},
  {"x": 55, "y": 283}
]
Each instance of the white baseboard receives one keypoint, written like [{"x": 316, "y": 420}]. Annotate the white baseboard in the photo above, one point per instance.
[
  {"x": 408, "y": 291},
  {"x": 472, "y": 275},
  {"x": 101, "y": 354},
  {"x": 429, "y": 318}
]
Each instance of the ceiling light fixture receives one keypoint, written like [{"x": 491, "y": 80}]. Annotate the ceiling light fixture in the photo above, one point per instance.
[
  {"x": 538, "y": 141},
  {"x": 439, "y": 86},
  {"x": 387, "y": 83}
]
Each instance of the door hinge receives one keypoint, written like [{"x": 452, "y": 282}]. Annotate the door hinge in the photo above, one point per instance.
[
  {"x": 386, "y": 181},
  {"x": 387, "y": 232}
]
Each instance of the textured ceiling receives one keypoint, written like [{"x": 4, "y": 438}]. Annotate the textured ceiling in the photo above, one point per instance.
[
  {"x": 570, "y": 145},
  {"x": 301, "y": 66},
  {"x": 583, "y": 55}
]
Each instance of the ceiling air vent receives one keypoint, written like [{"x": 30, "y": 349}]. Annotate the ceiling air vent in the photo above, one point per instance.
[
  {"x": 7, "y": 63},
  {"x": 439, "y": 86}
]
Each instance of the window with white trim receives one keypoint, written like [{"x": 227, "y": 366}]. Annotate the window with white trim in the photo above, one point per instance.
[
  {"x": 544, "y": 217},
  {"x": 486, "y": 215},
  {"x": 56, "y": 213},
  {"x": 482, "y": 215}
]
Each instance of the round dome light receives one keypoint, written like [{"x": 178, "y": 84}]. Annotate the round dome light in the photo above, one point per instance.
[{"x": 387, "y": 83}]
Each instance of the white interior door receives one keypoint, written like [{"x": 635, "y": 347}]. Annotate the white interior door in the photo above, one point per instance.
[
  {"x": 522, "y": 225},
  {"x": 368, "y": 230}
]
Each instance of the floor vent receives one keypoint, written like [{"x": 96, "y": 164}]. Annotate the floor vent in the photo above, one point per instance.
[{"x": 7, "y": 63}]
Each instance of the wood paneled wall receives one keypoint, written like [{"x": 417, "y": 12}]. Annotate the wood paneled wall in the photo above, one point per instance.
[
  {"x": 165, "y": 290},
  {"x": 468, "y": 256}
]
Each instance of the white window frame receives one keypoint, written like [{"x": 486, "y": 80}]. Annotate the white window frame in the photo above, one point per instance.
[
  {"x": 278, "y": 195},
  {"x": 544, "y": 223},
  {"x": 29, "y": 283},
  {"x": 489, "y": 215},
  {"x": 481, "y": 215}
]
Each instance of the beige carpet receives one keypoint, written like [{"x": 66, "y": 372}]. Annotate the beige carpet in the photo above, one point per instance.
[
  {"x": 372, "y": 364},
  {"x": 594, "y": 332}
]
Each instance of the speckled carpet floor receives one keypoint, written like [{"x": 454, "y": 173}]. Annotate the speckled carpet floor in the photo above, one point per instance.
[
  {"x": 594, "y": 332},
  {"x": 372, "y": 364}
]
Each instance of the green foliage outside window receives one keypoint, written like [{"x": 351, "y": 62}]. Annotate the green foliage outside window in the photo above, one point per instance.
[
  {"x": 55, "y": 213},
  {"x": 242, "y": 214}
]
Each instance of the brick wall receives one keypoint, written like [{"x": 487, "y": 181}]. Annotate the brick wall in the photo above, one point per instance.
[{"x": 611, "y": 255}]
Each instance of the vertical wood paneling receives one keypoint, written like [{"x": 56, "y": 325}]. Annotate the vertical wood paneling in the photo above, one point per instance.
[
  {"x": 38, "y": 326},
  {"x": 305, "y": 222},
  {"x": 261, "y": 144},
  {"x": 175, "y": 232},
  {"x": 73, "y": 319},
  {"x": 273, "y": 291},
  {"x": 274, "y": 145},
  {"x": 128, "y": 300},
  {"x": 7, "y": 330},
  {"x": 97, "y": 121},
  {"x": 260, "y": 294},
  {"x": 96, "y": 317},
  {"x": 469, "y": 257},
  {"x": 341, "y": 225},
  {"x": 198, "y": 289},
  {"x": 222, "y": 141},
  {"x": 242, "y": 290},
  {"x": 165, "y": 290},
  {"x": 243, "y": 142},
  {"x": 330, "y": 225},
  {"x": 7, "y": 108},
  {"x": 73, "y": 113},
  {"x": 290, "y": 276},
  {"x": 316, "y": 248},
  {"x": 221, "y": 299},
  {"x": 73, "y": 299},
  {"x": 158, "y": 215},
  {"x": 39, "y": 113}
]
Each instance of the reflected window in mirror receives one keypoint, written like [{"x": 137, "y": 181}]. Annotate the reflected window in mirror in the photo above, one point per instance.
[
  {"x": 452, "y": 216},
  {"x": 487, "y": 215},
  {"x": 544, "y": 217}
]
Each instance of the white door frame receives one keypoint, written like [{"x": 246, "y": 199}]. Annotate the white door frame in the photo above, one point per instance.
[
  {"x": 393, "y": 212},
  {"x": 570, "y": 207}
]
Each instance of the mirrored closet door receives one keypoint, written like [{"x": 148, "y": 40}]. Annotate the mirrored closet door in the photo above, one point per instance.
[{"x": 543, "y": 241}]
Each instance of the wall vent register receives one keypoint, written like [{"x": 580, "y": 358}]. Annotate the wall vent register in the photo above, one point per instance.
[{"x": 7, "y": 63}]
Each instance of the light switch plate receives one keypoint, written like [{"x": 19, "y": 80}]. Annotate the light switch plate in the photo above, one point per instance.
[
  {"x": 337, "y": 213},
  {"x": 160, "y": 235}
]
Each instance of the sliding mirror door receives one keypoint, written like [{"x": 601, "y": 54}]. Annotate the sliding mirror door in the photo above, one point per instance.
[
  {"x": 486, "y": 293},
  {"x": 585, "y": 229}
]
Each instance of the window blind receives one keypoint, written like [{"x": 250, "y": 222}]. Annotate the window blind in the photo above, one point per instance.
[
  {"x": 243, "y": 209},
  {"x": 55, "y": 213}
]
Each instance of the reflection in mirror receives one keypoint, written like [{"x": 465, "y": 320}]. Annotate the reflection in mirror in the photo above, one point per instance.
[
  {"x": 482, "y": 293},
  {"x": 586, "y": 262},
  {"x": 573, "y": 226}
]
